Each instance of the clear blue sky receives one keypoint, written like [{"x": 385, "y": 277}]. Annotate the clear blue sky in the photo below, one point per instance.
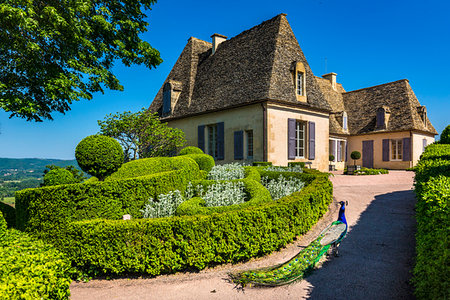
[{"x": 365, "y": 42}]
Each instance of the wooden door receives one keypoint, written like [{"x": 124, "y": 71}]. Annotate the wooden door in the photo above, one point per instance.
[{"x": 367, "y": 155}]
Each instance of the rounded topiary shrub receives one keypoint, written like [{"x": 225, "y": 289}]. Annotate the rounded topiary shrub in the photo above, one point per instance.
[
  {"x": 58, "y": 176},
  {"x": 99, "y": 155},
  {"x": 355, "y": 155},
  {"x": 191, "y": 150},
  {"x": 2, "y": 225},
  {"x": 445, "y": 136}
]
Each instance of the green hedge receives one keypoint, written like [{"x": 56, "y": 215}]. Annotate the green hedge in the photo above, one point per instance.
[
  {"x": 3, "y": 226},
  {"x": 262, "y": 163},
  {"x": 47, "y": 209},
  {"x": 432, "y": 187},
  {"x": 205, "y": 162},
  {"x": 148, "y": 166},
  {"x": 30, "y": 269},
  {"x": 191, "y": 150},
  {"x": 9, "y": 213},
  {"x": 167, "y": 245}
]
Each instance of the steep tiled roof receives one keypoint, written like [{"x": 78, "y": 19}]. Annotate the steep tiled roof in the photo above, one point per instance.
[
  {"x": 254, "y": 65},
  {"x": 361, "y": 106}
]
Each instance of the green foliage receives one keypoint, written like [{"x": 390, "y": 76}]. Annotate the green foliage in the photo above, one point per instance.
[
  {"x": 262, "y": 163},
  {"x": 204, "y": 161},
  {"x": 191, "y": 150},
  {"x": 227, "y": 172},
  {"x": 282, "y": 186},
  {"x": 78, "y": 175},
  {"x": 57, "y": 52},
  {"x": 445, "y": 136},
  {"x": 301, "y": 164},
  {"x": 9, "y": 213},
  {"x": 164, "y": 206},
  {"x": 142, "y": 134},
  {"x": 433, "y": 220},
  {"x": 168, "y": 245},
  {"x": 30, "y": 269},
  {"x": 3, "y": 226},
  {"x": 355, "y": 155},
  {"x": 331, "y": 157},
  {"x": 99, "y": 155},
  {"x": 368, "y": 171},
  {"x": 58, "y": 176},
  {"x": 148, "y": 166}
]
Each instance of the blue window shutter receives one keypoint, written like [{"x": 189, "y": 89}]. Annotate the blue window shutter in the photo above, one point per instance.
[
  {"x": 201, "y": 137},
  {"x": 167, "y": 101},
  {"x": 406, "y": 149},
  {"x": 291, "y": 138},
  {"x": 380, "y": 118},
  {"x": 239, "y": 144},
  {"x": 312, "y": 140},
  {"x": 385, "y": 149},
  {"x": 220, "y": 141}
]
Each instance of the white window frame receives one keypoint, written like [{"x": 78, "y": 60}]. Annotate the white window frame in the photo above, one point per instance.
[
  {"x": 337, "y": 143},
  {"x": 298, "y": 139},
  {"x": 396, "y": 153},
  {"x": 300, "y": 88}
]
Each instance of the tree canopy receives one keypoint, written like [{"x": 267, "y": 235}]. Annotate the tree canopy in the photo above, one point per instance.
[
  {"x": 142, "y": 134},
  {"x": 54, "y": 52}
]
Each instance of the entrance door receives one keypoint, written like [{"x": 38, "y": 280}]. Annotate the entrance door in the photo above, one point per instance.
[{"x": 367, "y": 155}]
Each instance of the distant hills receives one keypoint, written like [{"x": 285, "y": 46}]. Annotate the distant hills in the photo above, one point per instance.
[{"x": 13, "y": 168}]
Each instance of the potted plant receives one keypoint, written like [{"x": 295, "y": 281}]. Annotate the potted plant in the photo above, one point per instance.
[
  {"x": 355, "y": 155},
  {"x": 331, "y": 159}
]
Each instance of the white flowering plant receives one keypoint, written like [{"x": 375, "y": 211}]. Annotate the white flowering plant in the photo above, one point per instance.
[
  {"x": 295, "y": 168},
  {"x": 225, "y": 194},
  {"x": 278, "y": 188},
  {"x": 227, "y": 172},
  {"x": 164, "y": 207}
]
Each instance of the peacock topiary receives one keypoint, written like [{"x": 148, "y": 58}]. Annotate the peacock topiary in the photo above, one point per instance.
[{"x": 301, "y": 264}]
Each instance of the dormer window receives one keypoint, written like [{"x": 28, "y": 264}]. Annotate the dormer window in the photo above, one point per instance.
[
  {"x": 300, "y": 84},
  {"x": 167, "y": 99},
  {"x": 422, "y": 110},
  {"x": 383, "y": 114},
  {"x": 344, "y": 121}
]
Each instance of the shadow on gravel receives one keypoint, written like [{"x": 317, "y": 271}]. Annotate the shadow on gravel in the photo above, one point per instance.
[{"x": 376, "y": 256}]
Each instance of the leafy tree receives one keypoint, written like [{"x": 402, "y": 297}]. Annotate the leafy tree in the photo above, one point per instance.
[
  {"x": 78, "y": 175},
  {"x": 142, "y": 134},
  {"x": 445, "y": 135},
  {"x": 55, "y": 52}
]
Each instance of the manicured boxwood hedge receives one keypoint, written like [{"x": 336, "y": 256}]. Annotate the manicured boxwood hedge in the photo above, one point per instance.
[
  {"x": 9, "y": 213},
  {"x": 204, "y": 161},
  {"x": 47, "y": 209},
  {"x": 30, "y": 269},
  {"x": 167, "y": 245},
  {"x": 432, "y": 187}
]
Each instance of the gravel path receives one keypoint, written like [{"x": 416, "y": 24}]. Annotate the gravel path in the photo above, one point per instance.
[{"x": 375, "y": 257}]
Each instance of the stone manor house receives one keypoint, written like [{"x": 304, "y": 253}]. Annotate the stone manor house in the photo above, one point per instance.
[{"x": 254, "y": 98}]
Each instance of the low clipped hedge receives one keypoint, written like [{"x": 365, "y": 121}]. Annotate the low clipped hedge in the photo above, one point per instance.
[
  {"x": 432, "y": 187},
  {"x": 30, "y": 269},
  {"x": 167, "y": 245},
  {"x": 9, "y": 213},
  {"x": 153, "y": 165},
  {"x": 191, "y": 150},
  {"x": 205, "y": 162},
  {"x": 46, "y": 210},
  {"x": 3, "y": 225}
]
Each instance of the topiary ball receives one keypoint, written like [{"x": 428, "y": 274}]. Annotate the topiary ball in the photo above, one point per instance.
[
  {"x": 191, "y": 150},
  {"x": 99, "y": 155},
  {"x": 58, "y": 176},
  {"x": 445, "y": 136},
  {"x": 2, "y": 225},
  {"x": 355, "y": 155}
]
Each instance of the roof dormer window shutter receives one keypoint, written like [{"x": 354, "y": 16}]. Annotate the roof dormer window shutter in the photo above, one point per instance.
[
  {"x": 380, "y": 118},
  {"x": 167, "y": 99}
]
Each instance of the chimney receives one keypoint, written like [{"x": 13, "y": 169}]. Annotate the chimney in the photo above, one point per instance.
[
  {"x": 332, "y": 78},
  {"x": 216, "y": 40}
]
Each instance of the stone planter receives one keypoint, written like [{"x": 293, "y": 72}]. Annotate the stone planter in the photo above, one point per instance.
[
  {"x": 352, "y": 168},
  {"x": 331, "y": 168}
]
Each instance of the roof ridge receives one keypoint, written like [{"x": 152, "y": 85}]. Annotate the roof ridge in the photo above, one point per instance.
[{"x": 378, "y": 85}]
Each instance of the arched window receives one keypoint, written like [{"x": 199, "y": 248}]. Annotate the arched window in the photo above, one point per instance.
[{"x": 167, "y": 99}]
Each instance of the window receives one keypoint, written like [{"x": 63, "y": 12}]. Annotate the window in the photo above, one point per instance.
[
  {"x": 249, "y": 144},
  {"x": 300, "y": 139},
  {"x": 344, "y": 120},
  {"x": 167, "y": 99},
  {"x": 300, "y": 83},
  {"x": 337, "y": 149},
  {"x": 396, "y": 149},
  {"x": 212, "y": 140}
]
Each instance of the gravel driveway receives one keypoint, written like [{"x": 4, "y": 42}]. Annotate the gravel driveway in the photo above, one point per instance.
[{"x": 375, "y": 260}]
